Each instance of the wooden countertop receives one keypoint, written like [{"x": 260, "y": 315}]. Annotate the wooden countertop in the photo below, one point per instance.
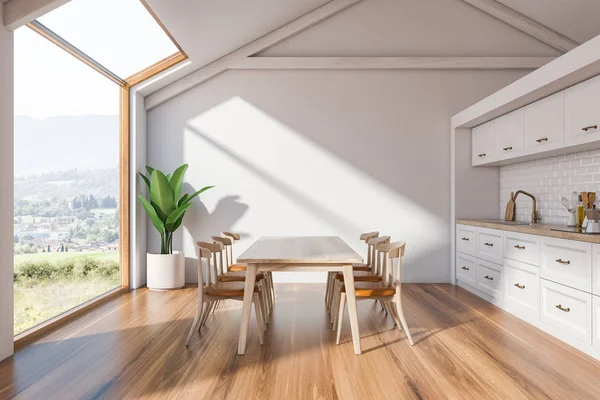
[{"x": 537, "y": 229}]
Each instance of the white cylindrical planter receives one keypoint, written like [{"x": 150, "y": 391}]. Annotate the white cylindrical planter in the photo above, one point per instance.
[{"x": 165, "y": 271}]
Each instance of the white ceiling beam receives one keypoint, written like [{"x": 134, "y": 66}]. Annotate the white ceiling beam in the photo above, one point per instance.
[
  {"x": 211, "y": 70},
  {"x": 337, "y": 63},
  {"x": 20, "y": 12},
  {"x": 524, "y": 24}
]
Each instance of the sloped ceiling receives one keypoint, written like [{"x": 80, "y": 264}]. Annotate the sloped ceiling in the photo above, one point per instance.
[
  {"x": 209, "y": 29},
  {"x": 578, "y": 20}
]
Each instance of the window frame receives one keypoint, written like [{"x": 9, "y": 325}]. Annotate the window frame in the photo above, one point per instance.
[{"x": 37, "y": 331}]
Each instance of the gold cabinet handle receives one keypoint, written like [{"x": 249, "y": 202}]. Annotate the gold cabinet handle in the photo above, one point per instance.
[
  {"x": 519, "y": 247},
  {"x": 544, "y": 139},
  {"x": 563, "y": 308},
  {"x": 466, "y": 269},
  {"x": 519, "y": 286},
  {"x": 507, "y": 148},
  {"x": 465, "y": 239},
  {"x": 488, "y": 244},
  {"x": 482, "y": 155},
  {"x": 489, "y": 278},
  {"x": 561, "y": 261},
  {"x": 587, "y": 128}
]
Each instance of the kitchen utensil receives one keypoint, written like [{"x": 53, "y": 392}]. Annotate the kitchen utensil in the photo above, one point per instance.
[
  {"x": 509, "y": 215},
  {"x": 591, "y": 199},
  {"x": 593, "y": 221},
  {"x": 584, "y": 199},
  {"x": 566, "y": 203}
]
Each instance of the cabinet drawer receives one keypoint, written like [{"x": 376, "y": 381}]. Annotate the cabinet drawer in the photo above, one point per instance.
[
  {"x": 489, "y": 278},
  {"x": 567, "y": 262},
  {"x": 466, "y": 239},
  {"x": 522, "y": 286},
  {"x": 567, "y": 309},
  {"x": 522, "y": 247},
  {"x": 596, "y": 269},
  {"x": 482, "y": 144},
  {"x": 596, "y": 320},
  {"x": 508, "y": 136},
  {"x": 466, "y": 269},
  {"x": 582, "y": 116},
  {"x": 490, "y": 245},
  {"x": 544, "y": 126}
]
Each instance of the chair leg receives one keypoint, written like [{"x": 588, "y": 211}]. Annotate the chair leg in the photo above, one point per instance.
[
  {"x": 206, "y": 314},
  {"x": 259, "y": 320},
  {"x": 332, "y": 283},
  {"x": 216, "y": 305},
  {"x": 402, "y": 319},
  {"x": 340, "y": 317},
  {"x": 328, "y": 289},
  {"x": 337, "y": 288},
  {"x": 194, "y": 323},
  {"x": 394, "y": 315},
  {"x": 263, "y": 309},
  {"x": 270, "y": 275}
]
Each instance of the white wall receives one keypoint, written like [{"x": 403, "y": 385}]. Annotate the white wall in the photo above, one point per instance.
[
  {"x": 550, "y": 179},
  {"x": 320, "y": 153},
  {"x": 6, "y": 183},
  {"x": 337, "y": 152}
]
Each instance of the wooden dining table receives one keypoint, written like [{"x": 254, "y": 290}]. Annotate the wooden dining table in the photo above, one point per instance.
[{"x": 299, "y": 254}]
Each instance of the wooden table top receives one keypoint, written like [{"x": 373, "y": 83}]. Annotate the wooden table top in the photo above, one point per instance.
[{"x": 300, "y": 249}]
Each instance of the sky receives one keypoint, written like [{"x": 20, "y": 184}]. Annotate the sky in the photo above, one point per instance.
[{"x": 50, "y": 82}]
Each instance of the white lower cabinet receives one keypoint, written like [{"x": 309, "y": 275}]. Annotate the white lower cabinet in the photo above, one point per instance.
[
  {"x": 567, "y": 262},
  {"x": 489, "y": 278},
  {"x": 596, "y": 320},
  {"x": 596, "y": 269},
  {"x": 490, "y": 245},
  {"x": 522, "y": 288},
  {"x": 566, "y": 309},
  {"x": 466, "y": 268},
  {"x": 522, "y": 247}
]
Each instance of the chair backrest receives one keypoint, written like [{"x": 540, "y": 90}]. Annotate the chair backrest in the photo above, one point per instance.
[
  {"x": 394, "y": 251},
  {"x": 214, "y": 269},
  {"x": 233, "y": 237},
  {"x": 375, "y": 261},
  {"x": 227, "y": 243},
  {"x": 365, "y": 238}
]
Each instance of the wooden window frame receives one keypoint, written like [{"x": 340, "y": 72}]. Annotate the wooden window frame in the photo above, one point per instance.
[{"x": 42, "y": 329}]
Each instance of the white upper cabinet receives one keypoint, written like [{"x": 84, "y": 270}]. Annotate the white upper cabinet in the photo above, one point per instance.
[
  {"x": 544, "y": 125},
  {"x": 482, "y": 144},
  {"x": 582, "y": 112},
  {"x": 508, "y": 136}
]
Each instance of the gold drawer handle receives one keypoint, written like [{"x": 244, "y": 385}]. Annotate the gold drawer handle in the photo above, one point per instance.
[
  {"x": 561, "y": 261},
  {"x": 519, "y": 247},
  {"x": 545, "y": 139},
  {"x": 488, "y": 244},
  {"x": 520, "y": 286},
  {"x": 489, "y": 278},
  {"x": 465, "y": 239},
  {"x": 482, "y": 155},
  {"x": 466, "y": 269},
  {"x": 507, "y": 148},
  {"x": 587, "y": 128},
  {"x": 563, "y": 309}
]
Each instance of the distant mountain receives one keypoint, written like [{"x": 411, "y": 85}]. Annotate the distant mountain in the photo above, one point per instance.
[{"x": 63, "y": 143}]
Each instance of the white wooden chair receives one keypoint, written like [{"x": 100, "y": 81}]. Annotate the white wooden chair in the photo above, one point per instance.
[
  {"x": 363, "y": 267},
  {"x": 373, "y": 275},
  {"x": 236, "y": 267},
  {"x": 211, "y": 291},
  {"x": 387, "y": 292}
]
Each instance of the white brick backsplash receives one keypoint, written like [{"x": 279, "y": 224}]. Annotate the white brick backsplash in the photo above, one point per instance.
[{"x": 549, "y": 180}]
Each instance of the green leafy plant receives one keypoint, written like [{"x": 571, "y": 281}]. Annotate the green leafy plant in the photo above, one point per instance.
[{"x": 167, "y": 206}]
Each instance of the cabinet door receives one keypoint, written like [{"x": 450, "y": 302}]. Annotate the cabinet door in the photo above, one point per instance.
[
  {"x": 521, "y": 287},
  {"x": 508, "y": 136},
  {"x": 582, "y": 112},
  {"x": 522, "y": 247},
  {"x": 490, "y": 245},
  {"x": 596, "y": 269},
  {"x": 466, "y": 269},
  {"x": 544, "y": 125},
  {"x": 567, "y": 262},
  {"x": 596, "y": 319},
  {"x": 489, "y": 278},
  {"x": 482, "y": 144},
  {"x": 466, "y": 239}
]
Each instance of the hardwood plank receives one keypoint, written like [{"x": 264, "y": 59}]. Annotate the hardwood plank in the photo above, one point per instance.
[{"x": 465, "y": 348}]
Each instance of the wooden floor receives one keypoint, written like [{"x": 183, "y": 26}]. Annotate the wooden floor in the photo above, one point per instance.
[{"x": 133, "y": 347}]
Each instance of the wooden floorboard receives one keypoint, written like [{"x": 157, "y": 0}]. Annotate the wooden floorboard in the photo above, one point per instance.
[{"x": 465, "y": 348}]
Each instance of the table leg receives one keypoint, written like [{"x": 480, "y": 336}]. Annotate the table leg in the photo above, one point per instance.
[
  {"x": 352, "y": 310},
  {"x": 247, "y": 307}
]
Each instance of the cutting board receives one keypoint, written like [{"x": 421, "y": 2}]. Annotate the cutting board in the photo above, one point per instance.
[{"x": 509, "y": 215}]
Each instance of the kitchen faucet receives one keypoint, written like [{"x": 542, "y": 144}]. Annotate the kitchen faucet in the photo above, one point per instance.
[{"x": 534, "y": 214}]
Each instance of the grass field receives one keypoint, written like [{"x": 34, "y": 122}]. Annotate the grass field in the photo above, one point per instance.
[{"x": 37, "y": 300}]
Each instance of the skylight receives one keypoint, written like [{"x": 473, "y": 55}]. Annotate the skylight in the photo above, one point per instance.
[{"x": 121, "y": 35}]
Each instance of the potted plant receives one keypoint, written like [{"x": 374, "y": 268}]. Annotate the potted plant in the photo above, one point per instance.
[{"x": 166, "y": 210}]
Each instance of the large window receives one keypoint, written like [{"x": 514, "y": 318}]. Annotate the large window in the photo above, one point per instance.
[{"x": 73, "y": 71}]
